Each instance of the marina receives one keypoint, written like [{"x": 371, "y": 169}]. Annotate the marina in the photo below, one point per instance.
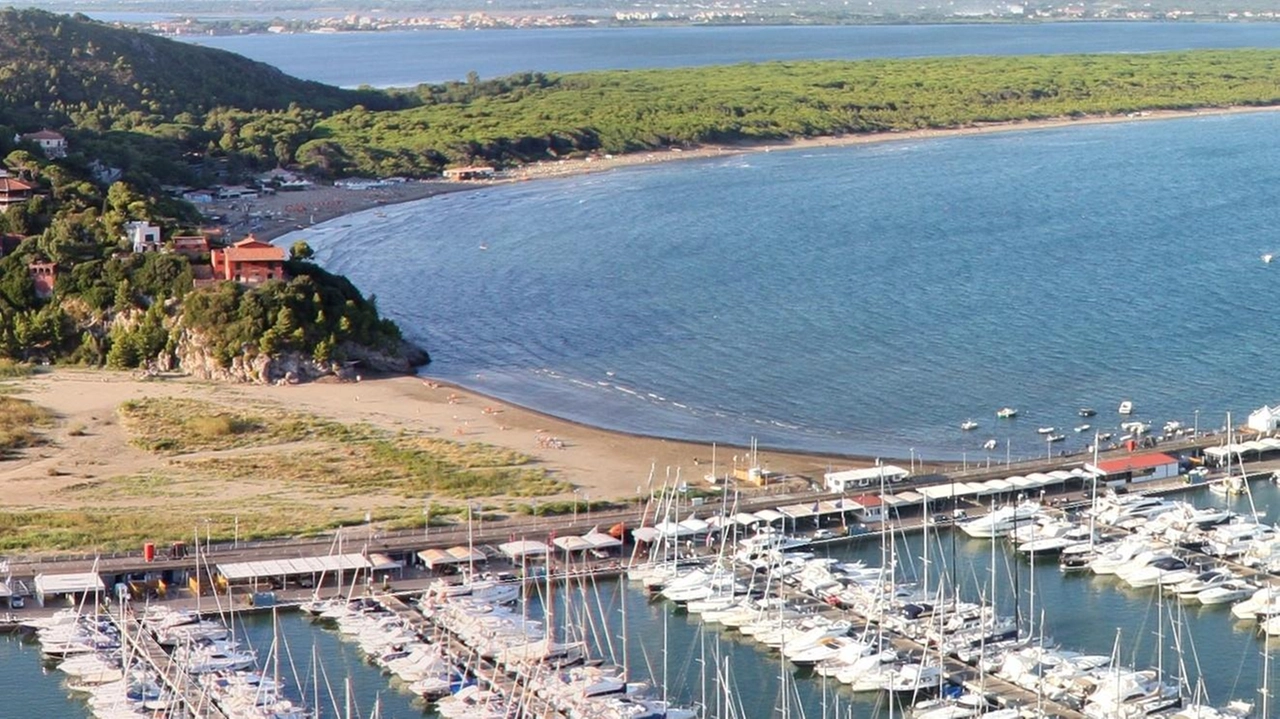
[{"x": 953, "y": 613}]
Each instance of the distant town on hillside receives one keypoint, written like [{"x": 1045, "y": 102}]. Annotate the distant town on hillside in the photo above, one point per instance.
[{"x": 176, "y": 17}]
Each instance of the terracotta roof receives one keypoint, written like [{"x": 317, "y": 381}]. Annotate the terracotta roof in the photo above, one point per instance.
[
  {"x": 43, "y": 135},
  {"x": 867, "y": 500},
  {"x": 1135, "y": 462},
  {"x": 8, "y": 184},
  {"x": 268, "y": 253}
]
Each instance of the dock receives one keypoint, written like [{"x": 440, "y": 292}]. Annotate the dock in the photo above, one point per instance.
[{"x": 138, "y": 642}]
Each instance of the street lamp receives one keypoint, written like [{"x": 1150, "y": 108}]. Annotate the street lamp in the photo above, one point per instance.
[
  {"x": 913, "y": 460},
  {"x": 426, "y": 520},
  {"x": 575, "y": 506},
  {"x": 1196, "y": 432},
  {"x": 588, "y": 498}
]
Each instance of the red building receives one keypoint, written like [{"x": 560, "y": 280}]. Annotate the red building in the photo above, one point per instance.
[
  {"x": 193, "y": 246},
  {"x": 44, "y": 276},
  {"x": 249, "y": 262},
  {"x": 13, "y": 192}
]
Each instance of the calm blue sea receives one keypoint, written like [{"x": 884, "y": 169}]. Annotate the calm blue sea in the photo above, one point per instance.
[
  {"x": 398, "y": 59},
  {"x": 861, "y": 299}
]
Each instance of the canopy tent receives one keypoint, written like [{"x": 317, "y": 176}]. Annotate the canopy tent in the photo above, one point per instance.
[
  {"x": 746, "y": 519},
  {"x": 693, "y": 525},
  {"x": 436, "y": 558},
  {"x": 572, "y": 543},
  {"x": 770, "y": 516},
  {"x": 237, "y": 571},
  {"x": 645, "y": 534},
  {"x": 51, "y": 586},
  {"x": 523, "y": 549},
  {"x": 600, "y": 540}
]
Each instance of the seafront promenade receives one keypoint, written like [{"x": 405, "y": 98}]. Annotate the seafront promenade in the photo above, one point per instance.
[{"x": 369, "y": 539}]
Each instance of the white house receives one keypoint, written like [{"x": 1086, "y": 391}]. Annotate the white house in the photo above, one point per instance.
[
  {"x": 1265, "y": 419},
  {"x": 869, "y": 478},
  {"x": 143, "y": 236},
  {"x": 51, "y": 143}
]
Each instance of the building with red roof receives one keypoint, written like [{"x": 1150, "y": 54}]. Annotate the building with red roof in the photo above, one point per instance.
[
  {"x": 1135, "y": 468},
  {"x": 249, "y": 262},
  {"x": 14, "y": 192}
]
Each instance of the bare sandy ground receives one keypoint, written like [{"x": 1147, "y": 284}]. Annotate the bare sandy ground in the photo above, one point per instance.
[{"x": 87, "y": 444}]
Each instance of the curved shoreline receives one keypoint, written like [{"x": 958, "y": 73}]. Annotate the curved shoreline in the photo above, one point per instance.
[
  {"x": 327, "y": 203},
  {"x": 570, "y": 168}
]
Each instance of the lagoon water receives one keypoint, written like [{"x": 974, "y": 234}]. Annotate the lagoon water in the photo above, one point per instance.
[
  {"x": 860, "y": 299},
  {"x": 400, "y": 59}
]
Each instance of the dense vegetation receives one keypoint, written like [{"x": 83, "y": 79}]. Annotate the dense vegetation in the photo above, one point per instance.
[{"x": 535, "y": 116}]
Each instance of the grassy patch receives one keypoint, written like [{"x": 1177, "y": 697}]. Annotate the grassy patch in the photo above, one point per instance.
[
  {"x": 10, "y": 369},
  {"x": 179, "y": 426},
  {"x": 406, "y": 467},
  {"x": 19, "y": 421}
]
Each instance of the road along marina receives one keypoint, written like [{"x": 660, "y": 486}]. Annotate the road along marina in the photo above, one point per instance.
[{"x": 238, "y": 572}]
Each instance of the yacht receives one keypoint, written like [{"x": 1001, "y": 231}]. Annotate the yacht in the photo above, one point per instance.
[
  {"x": 1226, "y": 593},
  {"x": 999, "y": 522},
  {"x": 1087, "y": 412},
  {"x": 1006, "y": 413}
]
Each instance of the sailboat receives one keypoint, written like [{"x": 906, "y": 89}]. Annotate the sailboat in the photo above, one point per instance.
[{"x": 1232, "y": 484}]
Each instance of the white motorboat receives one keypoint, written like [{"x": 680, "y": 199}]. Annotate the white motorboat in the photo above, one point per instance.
[
  {"x": 999, "y": 522},
  {"x": 1083, "y": 427},
  {"x": 968, "y": 425},
  {"x": 1046, "y": 430},
  {"x": 1056, "y": 437},
  {"x": 1202, "y": 581},
  {"x": 1126, "y": 407},
  {"x": 989, "y": 445},
  {"x": 1227, "y": 592},
  {"x": 1006, "y": 413}
]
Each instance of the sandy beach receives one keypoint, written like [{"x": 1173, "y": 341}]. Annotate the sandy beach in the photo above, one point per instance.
[
  {"x": 272, "y": 216},
  {"x": 88, "y": 446}
]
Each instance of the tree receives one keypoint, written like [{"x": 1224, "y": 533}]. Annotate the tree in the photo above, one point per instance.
[{"x": 301, "y": 252}]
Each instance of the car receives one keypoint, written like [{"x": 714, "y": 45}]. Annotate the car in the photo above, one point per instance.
[
  {"x": 16, "y": 602},
  {"x": 821, "y": 534}
]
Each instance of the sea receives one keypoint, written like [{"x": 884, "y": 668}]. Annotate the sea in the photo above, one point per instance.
[{"x": 857, "y": 300}]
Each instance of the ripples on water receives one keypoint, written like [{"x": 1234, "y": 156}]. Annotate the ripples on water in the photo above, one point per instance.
[{"x": 861, "y": 299}]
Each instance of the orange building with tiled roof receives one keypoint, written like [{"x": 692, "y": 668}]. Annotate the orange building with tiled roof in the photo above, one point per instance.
[
  {"x": 13, "y": 191},
  {"x": 249, "y": 262}
]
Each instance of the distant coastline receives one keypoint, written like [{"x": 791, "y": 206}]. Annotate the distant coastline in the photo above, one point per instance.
[{"x": 328, "y": 203}]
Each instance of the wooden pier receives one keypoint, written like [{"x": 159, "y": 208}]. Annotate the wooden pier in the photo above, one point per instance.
[{"x": 138, "y": 642}]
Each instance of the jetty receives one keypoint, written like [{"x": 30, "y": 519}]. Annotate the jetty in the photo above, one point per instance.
[{"x": 138, "y": 642}]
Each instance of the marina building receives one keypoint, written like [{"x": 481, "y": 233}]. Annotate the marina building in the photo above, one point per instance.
[
  {"x": 1135, "y": 469},
  {"x": 855, "y": 479}
]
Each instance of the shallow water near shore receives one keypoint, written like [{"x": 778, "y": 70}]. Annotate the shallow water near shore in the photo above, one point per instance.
[{"x": 860, "y": 299}]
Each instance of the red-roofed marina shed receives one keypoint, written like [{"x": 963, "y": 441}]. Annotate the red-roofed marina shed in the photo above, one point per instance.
[{"x": 1135, "y": 468}]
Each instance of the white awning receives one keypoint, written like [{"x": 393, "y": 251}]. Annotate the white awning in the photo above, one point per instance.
[
  {"x": 770, "y": 516},
  {"x": 572, "y": 543},
  {"x": 693, "y": 525},
  {"x": 600, "y": 540},
  {"x": 996, "y": 486},
  {"x": 523, "y": 548},
  {"x": 463, "y": 554},
  {"x": 645, "y": 534},
  {"x": 937, "y": 491},
  {"x": 51, "y": 584},
  {"x": 292, "y": 567},
  {"x": 380, "y": 562},
  {"x": 746, "y": 519},
  {"x": 798, "y": 511}
]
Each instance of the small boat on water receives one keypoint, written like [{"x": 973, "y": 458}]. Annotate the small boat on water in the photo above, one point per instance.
[
  {"x": 1266, "y": 258},
  {"x": 1006, "y": 413},
  {"x": 1083, "y": 428},
  {"x": 1046, "y": 430},
  {"x": 968, "y": 424},
  {"x": 1126, "y": 407},
  {"x": 989, "y": 445},
  {"x": 1087, "y": 412},
  {"x": 1056, "y": 437},
  {"x": 1104, "y": 437}
]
